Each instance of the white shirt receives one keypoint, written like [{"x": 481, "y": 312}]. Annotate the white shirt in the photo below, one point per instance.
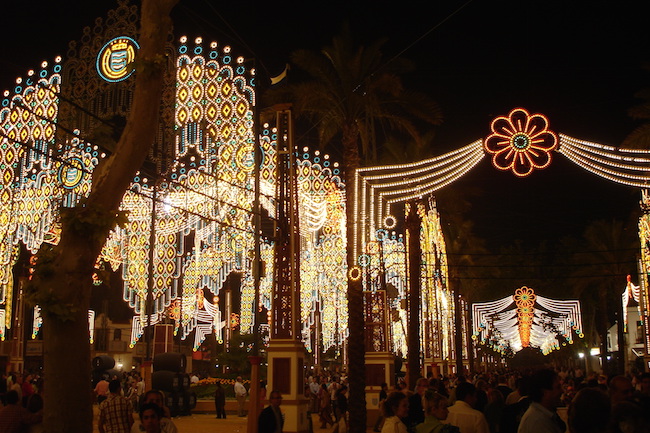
[
  {"x": 468, "y": 420},
  {"x": 538, "y": 419},
  {"x": 393, "y": 424},
  {"x": 240, "y": 390}
]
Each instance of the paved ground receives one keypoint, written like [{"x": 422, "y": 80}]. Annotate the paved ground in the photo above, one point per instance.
[{"x": 207, "y": 423}]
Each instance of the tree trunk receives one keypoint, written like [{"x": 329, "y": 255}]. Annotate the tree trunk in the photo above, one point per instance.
[
  {"x": 458, "y": 324},
  {"x": 620, "y": 336},
  {"x": 356, "y": 320},
  {"x": 414, "y": 250},
  {"x": 63, "y": 278}
]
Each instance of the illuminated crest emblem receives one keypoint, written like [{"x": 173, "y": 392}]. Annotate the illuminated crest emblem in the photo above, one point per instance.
[
  {"x": 71, "y": 173},
  {"x": 114, "y": 58}
]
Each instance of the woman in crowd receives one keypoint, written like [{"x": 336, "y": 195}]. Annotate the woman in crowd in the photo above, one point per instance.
[
  {"x": 435, "y": 411},
  {"x": 324, "y": 401},
  {"x": 395, "y": 408}
]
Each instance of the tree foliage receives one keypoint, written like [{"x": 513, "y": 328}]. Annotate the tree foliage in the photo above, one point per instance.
[
  {"x": 352, "y": 96},
  {"x": 62, "y": 281}
]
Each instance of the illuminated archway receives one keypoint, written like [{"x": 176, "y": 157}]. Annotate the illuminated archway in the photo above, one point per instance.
[{"x": 526, "y": 319}]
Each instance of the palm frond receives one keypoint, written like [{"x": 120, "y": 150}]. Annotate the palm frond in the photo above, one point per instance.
[{"x": 639, "y": 138}]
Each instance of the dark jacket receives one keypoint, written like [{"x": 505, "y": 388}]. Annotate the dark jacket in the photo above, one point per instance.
[{"x": 266, "y": 423}]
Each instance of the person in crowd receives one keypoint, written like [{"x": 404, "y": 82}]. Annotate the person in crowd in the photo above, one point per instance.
[
  {"x": 416, "y": 411},
  {"x": 166, "y": 424},
  {"x": 14, "y": 418},
  {"x": 151, "y": 416},
  {"x": 589, "y": 411},
  {"x": 463, "y": 414},
  {"x": 132, "y": 395},
  {"x": 240, "y": 396},
  {"x": 220, "y": 400},
  {"x": 101, "y": 390},
  {"x": 503, "y": 386},
  {"x": 16, "y": 385},
  {"x": 383, "y": 393},
  {"x": 396, "y": 407},
  {"x": 115, "y": 413},
  {"x": 341, "y": 404},
  {"x": 27, "y": 388},
  {"x": 642, "y": 396},
  {"x": 620, "y": 389},
  {"x": 515, "y": 395},
  {"x": 314, "y": 387},
  {"x": 493, "y": 410},
  {"x": 271, "y": 419},
  {"x": 541, "y": 416},
  {"x": 435, "y": 411},
  {"x": 512, "y": 413},
  {"x": 261, "y": 397},
  {"x": 627, "y": 417},
  {"x": 325, "y": 407},
  {"x": 332, "y": 388}
]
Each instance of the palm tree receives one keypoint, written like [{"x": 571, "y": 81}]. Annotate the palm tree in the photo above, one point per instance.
[
  {"x": 640, "y": 137},
  {"x": 353, "y": 96},
  {"x": 610, "y": 248}
]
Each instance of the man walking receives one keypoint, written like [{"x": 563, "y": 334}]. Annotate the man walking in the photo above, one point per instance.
[
  {"x": 240, "y": 395},
  {"x": 116, "y": 412}
]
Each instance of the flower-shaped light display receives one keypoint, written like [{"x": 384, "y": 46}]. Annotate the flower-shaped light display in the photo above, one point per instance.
[
  {"x": 525, "y": 301},
  {"x": 520, "y": 142}
]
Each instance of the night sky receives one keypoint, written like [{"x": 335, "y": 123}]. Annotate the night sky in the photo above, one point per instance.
[{"x": 579, "y": 63}]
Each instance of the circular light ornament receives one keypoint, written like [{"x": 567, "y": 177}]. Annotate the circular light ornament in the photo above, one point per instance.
[
  {"x": 521, "y": 142},
  {"x": 114, "y": 58},
  {"x": 390, "y": 222},
  {"x": 364, "y": 260},
  {"x": 354, "y": 273}
]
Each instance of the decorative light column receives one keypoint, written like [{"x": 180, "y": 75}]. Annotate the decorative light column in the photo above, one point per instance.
[
  {"x": 286, "y": 353},
  {"x": 644, "y": 273}
]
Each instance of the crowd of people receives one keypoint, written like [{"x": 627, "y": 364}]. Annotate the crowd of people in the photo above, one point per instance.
[
  {"x": 327, "y": 396},
  {"x": 543, "y": 401},
  {"x": 519, "y": 403},
  {"x": 21, "y": 402},
  {"x": 126, "y": 397}
]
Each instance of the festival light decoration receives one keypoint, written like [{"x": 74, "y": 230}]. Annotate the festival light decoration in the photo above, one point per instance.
[
  {"x": 626, "y": 166},
  {"x": 631, "y": 292},
  {"x": 520, "y": 142},
  {"x": 526, "y": 319},
  {"x": 437, "y": 305},
  {"x": 37, "y": 323},
  {"x": 525, "y": 301},
  {"x": 199, "y": 214},
  {"x": 644, "y": 264},
  {"x": 115, "y": 57}
]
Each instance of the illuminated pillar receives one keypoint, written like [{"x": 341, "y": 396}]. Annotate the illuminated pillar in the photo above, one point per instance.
[
  {"x": 286, "y": 353},
  {"x": 644, "y": 274},
  {"x": 380, "y": 362}
]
